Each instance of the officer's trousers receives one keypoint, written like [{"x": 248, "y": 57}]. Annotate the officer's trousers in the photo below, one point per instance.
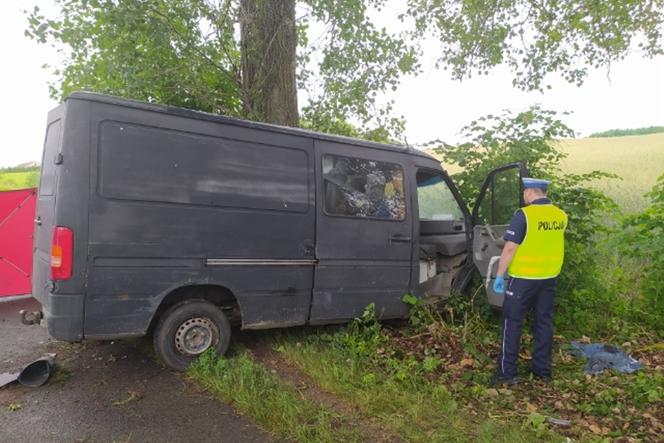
[{"x": 520, "y": 296}]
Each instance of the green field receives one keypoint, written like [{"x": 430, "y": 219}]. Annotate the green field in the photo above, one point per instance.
[
  {"x": 18, "y": 180},
  {"x": 637, "y": 159}
]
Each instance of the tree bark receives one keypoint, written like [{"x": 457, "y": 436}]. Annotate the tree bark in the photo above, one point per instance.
[{"x": 268, "y": 41}]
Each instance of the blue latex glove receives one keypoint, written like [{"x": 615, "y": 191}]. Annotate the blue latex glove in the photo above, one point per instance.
[{"x": 499, "y": 284}]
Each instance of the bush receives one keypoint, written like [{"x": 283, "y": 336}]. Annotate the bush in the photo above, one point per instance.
[
  {"x": 529, "y": 136},
  {"x": 643, "y": 239}
]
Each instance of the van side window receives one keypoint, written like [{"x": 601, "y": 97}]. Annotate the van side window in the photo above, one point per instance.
[
  {"x": 435, "y": 199},
  {"x": 51, "y": 149},
  {"x": 363, "y": 188},
  {"x": 501, "y": 198},
  {"x": 169, "y": 166}
]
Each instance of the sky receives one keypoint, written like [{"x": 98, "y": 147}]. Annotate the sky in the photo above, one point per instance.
[{"x": 435, "y": 107}]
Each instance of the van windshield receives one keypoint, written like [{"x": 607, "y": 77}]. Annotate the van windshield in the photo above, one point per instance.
[{"x": 435, "y": 199}]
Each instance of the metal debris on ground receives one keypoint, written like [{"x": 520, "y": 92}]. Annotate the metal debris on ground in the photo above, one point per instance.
[
  {"x": 559, "y": 421},
  {"x": 33, "y": 375}
]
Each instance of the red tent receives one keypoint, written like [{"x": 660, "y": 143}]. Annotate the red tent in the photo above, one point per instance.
[{"x": 17, "y": 213}]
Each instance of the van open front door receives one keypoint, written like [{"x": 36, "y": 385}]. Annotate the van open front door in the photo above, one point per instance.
[{"x": 500, "y": 195}]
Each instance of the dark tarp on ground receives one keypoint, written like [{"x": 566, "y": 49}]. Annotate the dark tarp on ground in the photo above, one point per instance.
[{"x": 602, "y": 356}]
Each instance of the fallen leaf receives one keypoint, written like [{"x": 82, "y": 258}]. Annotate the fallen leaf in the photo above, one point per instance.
[
  {"x": 131, "y": 396},
  {"x": 595, "y": 429}
]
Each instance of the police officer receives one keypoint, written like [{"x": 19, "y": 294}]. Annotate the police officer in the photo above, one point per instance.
[{"x": 532, "y": 256}]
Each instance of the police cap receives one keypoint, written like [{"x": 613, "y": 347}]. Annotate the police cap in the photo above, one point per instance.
[{"x": 536, "y": 183}]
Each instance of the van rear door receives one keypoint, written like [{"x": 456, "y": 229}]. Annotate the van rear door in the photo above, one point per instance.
[
  {"x": 59, "y": 255},
  {"x": 364, "y": 232},
  {"x": 45, "y": 211},
  {"x": 500, "y": 196}
]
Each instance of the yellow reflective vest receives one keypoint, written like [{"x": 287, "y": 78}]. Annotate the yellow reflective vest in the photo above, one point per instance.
[{"x": 540, "y": 254}]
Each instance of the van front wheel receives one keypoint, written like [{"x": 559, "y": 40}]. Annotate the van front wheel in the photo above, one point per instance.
[{"x": 188, "y": 329}]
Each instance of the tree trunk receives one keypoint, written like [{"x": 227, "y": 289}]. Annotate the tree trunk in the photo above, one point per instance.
[{"x": 268, "y": 41}]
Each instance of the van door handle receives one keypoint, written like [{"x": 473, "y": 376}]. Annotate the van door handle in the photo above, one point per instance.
[
  {"x": 38, "y": 221},
  {"x": 400, "y": 239}
]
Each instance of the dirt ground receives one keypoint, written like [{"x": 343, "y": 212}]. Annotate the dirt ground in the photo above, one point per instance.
[{"x": 109, "y": 391}]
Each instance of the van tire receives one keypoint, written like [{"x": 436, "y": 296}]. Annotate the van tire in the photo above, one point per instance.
[{"x": 186, "y": 329}]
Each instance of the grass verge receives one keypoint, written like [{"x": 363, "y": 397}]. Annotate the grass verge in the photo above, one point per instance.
[
  {"x": 397, "y": 391},
  {"x": 431, "y": 385},
  {"x": 428, "y": 382},
  {"x": 271, "y": 403}
]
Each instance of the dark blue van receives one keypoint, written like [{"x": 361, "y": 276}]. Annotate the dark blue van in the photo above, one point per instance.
[{"x": 153, "y": 219}]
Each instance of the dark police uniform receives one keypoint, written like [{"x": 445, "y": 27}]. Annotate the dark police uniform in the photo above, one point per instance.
[{"x": 521, "y": 295}]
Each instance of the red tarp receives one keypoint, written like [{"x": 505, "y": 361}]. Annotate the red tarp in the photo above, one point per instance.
[{"x": 17, "y": 214}]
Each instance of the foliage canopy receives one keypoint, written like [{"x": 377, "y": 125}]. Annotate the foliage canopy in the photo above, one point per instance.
[{"x": 188, "y": 52}]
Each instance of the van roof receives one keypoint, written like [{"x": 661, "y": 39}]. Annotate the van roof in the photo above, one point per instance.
[{"x": 189, "y": 113}]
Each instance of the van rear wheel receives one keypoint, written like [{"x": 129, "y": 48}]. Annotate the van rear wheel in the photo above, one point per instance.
[{"x": 188, "y": 329}]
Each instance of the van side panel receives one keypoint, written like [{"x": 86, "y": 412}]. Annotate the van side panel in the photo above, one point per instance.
[
  {"x": 63, "y": 202},
  {"x": 179, "y": 201}
]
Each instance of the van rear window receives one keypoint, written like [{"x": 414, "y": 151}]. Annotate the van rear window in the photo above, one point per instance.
[
  {"x": 49, "y": 177},
  {"x": 159, "y": 165}
]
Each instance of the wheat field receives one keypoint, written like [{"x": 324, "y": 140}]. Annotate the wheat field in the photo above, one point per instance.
[{"x": 638, "y": 160}]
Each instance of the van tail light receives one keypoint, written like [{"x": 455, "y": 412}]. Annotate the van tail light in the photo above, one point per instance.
[{"x": 62, "y": 253}]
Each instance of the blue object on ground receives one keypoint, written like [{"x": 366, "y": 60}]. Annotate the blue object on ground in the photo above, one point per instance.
[{"x": 602, "y": 356}]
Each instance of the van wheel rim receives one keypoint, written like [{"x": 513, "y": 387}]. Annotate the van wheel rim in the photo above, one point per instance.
[{"x": 196, "y": 335}]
